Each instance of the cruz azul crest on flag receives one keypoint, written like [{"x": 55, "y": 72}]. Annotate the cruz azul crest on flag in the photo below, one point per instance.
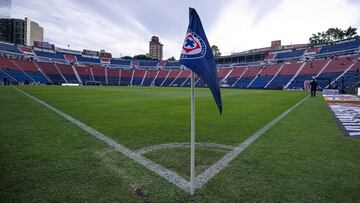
[{"x": 194, "y": 47}]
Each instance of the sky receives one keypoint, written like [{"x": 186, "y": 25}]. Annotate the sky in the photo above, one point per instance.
[{"x": 124, "y": 27}]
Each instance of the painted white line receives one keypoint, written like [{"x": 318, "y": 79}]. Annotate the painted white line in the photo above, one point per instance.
[
  {"x": 170, "y": 176},
  {"x": 182, "y": 145},
  {"x": 209, "y": 173},
  {"x": 167, "y": 174}
]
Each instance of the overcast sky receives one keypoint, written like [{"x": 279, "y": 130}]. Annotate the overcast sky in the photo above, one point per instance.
[{"x": 124, "y": 27}]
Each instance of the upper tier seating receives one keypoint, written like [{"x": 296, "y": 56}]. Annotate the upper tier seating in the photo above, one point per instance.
[
  {"x": 291, "y": 54},
  {"x": 82, "y": 59},
  {"x": 148, "y": 63},
  {"x": 341, "y": 46},
  {"x": 56, "y": 55},
  {"x": 172, "y": 64},
  {"x": 121, "y": 62},
  {"x": 7, "y": 47}
]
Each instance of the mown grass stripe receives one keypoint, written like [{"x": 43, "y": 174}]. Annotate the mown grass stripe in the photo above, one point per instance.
[{"x": 167, "y": 174}]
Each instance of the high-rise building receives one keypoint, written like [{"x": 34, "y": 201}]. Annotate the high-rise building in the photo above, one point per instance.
[
  {"x": 155, "y": 48},
  {"x": 34, "y": 32},
  {"x": 20, "y": 31}
]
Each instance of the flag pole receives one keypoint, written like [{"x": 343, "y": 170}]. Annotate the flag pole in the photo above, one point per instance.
[{"x": 192, "y": 143}]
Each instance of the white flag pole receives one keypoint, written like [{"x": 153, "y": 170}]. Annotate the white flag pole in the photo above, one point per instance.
[{"x": 192, "y": 144}]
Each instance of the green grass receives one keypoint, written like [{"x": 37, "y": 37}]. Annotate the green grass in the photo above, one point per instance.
[{"x": 303, "y": 158}]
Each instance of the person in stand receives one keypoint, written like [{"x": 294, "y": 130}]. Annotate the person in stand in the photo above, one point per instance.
[{"x": 313, "y": 87}]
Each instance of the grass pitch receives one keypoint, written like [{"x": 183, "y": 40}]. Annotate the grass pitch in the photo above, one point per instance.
[{"x": 303, "y": 158}]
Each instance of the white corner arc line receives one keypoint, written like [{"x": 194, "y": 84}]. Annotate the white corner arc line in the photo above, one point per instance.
[
  {"x": 167, "y": 174},
  {"x": 210, "y": 172},
  {"x": 148, "y": 149}
]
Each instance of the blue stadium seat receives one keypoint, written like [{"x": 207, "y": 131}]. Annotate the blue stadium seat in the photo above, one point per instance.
[
  {"x": 9, "y": 48},
  {"x": 291, "y": 54},
  {"x": 18, "y": 75},
  {"x": 341, "y": 46},
  {"x": 38, "y": 77},
  {"x": 71, "y": 78},
  {"x": 120, "y": 62},
  {"x": 280, "y": 81},
  {"x": 113, "y": 80},
  {"x": 261, "y": 81},
  {"x": 56, "y": 55},
  {"x": 82, "y": 59},
  {"x": 56, "y": 78}
]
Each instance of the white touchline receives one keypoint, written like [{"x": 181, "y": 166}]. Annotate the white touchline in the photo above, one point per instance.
[{"x": 167, "y": 174}]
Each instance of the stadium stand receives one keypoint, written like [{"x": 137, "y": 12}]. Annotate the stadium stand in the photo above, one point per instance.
[
  {"x": 30, "y": 70},
  {"x": 120, "y": 62},
  {"x": 8, "y": 47},
  {"x": 236, "y": 74},
  {"x": 341, "y": 46},
  {"x": 50, "y": 55},
  {"x": 183, "y": 75},
  {"x": 98, "y": 73},
  {"x": 125, "y": 76},
  {"x": 86, "y": 60},
  {"x": 51, "y": 71},
  {"x": 173, "y": 74},
  {"x": 290, "y": 54},
  {"x": 10, "y": 70},
  {"x": 149, "y": 77},
  {"x": 265, "y": 76},
  {"x": 248, "y": 76},
  {"x": 68, "y": 72},
  {"x": 85, "y": 73},
  {"x": 113, "y": 76},
  {"x": 285, "y": 75},
  {"x": 137, "y": 77},
  {"x": 336, "y": 64},
  {"x": 162, "y": 75}
]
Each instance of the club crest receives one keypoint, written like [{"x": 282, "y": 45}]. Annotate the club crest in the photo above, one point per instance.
[{"x": 193, "y": 47}]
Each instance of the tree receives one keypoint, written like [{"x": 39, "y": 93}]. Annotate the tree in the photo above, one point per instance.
[
  {"x": 126, "y": 57},
  {"x": 142, "y": 56},
  {"x": 332, "y": 34},
  {"x": 215, "y": 50},
  {"x": 351, "y": 32},
  {"x": 171, "y": 59}
]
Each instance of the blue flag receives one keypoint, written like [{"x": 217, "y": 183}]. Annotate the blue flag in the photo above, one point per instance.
[{"x": 197, "y": 55}]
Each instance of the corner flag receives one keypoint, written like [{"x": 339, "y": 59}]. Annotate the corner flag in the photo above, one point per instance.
[{"x": 197, "y": 55}]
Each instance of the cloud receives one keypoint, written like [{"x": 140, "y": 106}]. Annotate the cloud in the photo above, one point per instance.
[
  {"x": 125, "y": 27},
  {"x": 292, "y": 21}
]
